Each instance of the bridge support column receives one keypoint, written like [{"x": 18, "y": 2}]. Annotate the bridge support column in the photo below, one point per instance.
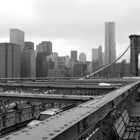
[{"x": 134, "y": 52}]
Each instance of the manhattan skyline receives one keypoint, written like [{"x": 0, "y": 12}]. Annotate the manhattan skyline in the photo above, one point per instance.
[{"x": 70, "y": 25}]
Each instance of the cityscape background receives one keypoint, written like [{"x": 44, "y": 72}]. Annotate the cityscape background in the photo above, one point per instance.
[
  {"x": 18, "y": 58},
  {"x": 70, "y": 24}
]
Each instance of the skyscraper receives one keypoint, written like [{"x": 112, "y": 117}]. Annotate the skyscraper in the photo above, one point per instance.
[
  {"x": 82, "y": 57},
  {"x": 74, "y": 55},
  {"x": 29, "y": 45},
  {"x": 44, "y": 49},
  {"x": 61, "y": 62},
  {"x": 79, "y": 70},
  {"x": 67, "y": 61},
  {"x": 17, "y": 37},
  {"x": 28, "y": 61},
  {"x": 110, "y": 46},
  {"x": 97, "y": 58},
  {"x": 54, "y": 58},
  {"x": 100, "y": 60},
  {"x": 95, "y": 54},
  {"x": 103, "y": 58},
  {"x": 9, "y": 60}
]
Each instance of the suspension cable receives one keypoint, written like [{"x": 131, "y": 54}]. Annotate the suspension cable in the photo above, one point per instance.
[{"x": 108, "y": 65}]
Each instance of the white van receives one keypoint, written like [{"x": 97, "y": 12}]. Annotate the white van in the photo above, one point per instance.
[{"x": 44, "y": 115}]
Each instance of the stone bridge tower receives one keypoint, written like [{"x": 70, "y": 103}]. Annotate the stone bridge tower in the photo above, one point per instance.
[{"x": 134, "y": 53}]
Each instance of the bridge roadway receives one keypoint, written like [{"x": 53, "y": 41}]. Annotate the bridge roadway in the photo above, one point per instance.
[
  {"x": 43, "y": 97},
  {"x": 73, "y": 123},
  {"x": 71, "y": 80},
  {"x": 54, "y": 85}
]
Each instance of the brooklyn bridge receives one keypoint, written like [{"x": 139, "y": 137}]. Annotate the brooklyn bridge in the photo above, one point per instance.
[{"x": 91, "y": 108}]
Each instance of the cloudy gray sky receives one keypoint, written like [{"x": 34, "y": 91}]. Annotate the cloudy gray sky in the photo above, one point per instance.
[{"x": 70, "y": 24}]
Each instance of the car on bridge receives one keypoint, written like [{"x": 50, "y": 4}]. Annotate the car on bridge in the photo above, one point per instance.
[
  {"x": 111, "y": 84},
  {"x": 104, "y": 84},
  {"x": 43, "y": 116}
]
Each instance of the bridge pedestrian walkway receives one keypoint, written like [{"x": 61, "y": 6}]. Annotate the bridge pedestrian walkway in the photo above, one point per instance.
[
  {"x": 134, "y": 109},
  {"x": 127, "y": 126}
]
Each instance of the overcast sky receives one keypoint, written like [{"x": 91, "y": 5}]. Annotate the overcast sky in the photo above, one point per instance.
[{"x": 70, "y": 24}]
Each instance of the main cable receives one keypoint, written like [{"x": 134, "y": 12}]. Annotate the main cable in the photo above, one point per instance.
[{"x": 108, "y": 65}]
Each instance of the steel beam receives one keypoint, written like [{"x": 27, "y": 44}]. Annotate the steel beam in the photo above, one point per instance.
[
  {"x": 44, "y": 97},
  {"x": 73, "y": 123},
  {"x": 57, "y": 86}
]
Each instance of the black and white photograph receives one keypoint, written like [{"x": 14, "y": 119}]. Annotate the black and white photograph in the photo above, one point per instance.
[{"x": 69, "y": 70}]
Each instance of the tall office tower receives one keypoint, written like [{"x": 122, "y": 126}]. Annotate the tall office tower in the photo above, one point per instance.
[
  {"x": 79, "y": 70},
  {"x": 61, "y": 62},
  {"x": 100, "y": 60},
  {"x": 9, "y": 60},
  {"x": 67, "y": 61},
  {"x": 44, "y": 49},
  {"x": 71, "y": 66},
  {"x": 82, "y": 57},
  {"x": 89, "y": 67},
  {"x": 29, "y": 45},
  {"x": 110, "y": 46},
  {"x": 17, "y": 37},
  {"x": 97, "y": 58},
  {"x": 74, "y": 55},
  {"x": 28, "y": 61},
  {"x": 95, "y": 55},
  {"x": 103, "y": 58},
  {"x": 54, "y": 58}
]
